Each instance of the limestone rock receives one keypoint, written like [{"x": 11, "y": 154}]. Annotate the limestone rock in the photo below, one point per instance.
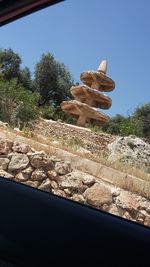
[
  {"x": 128, "y": 201},
  {"x": 147, "y": 221},
  {"x": 105, "y": 207},
  {"x": 21, "y": 147},
  {"x": 58, "y": 192},
  {"x": 141, "y": 216},
  {"x": 32, "y": 183},
  {"x": 9, "y": 156},
  {"x": 45, "y": 185},
  {"x": 103, "y": 66},
  {"x": 27, "y": 172},
  {"x": 68, "y": 191},
  {"x": 127, "y": 215},
  {"x": 4, "y": 163},
  {"x": 78, "y": 198},
  {"x": 115, "y": 191},
  {"x": 4, "y": 124},
  {"x": 73, "y": 181},
  {"x": 17, "y": 130},
  {"x": 20, "y": 177},
  {"x": 97, "y": 80},
  {"x": 70, "y": 182},
  {"x": 55, "y": 159},
  {"x": 40, "y": 160},
  {"x": 5, "y": 146},
  {"x": 87, "y": 179},
  {"x": 41, "y": 154},
  {"x": 18, "y": 162},
  {"x": 63, "y": 167},
  {"x": 6, "y": 174},
  {"x": 114, "y": 210},
  {"x": 54, "y": 185},
  {"x": 91, "y": 96},
  {"x": 84, "y": 112},
  {"x": 38, "y": 175},
  {"x": 131, "y": 150},
  {"x": 52, "y": 174},
  {"x": 98, "y": 195}
]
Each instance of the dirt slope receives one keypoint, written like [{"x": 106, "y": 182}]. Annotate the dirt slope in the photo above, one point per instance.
[{"x": 83, "y": 137}]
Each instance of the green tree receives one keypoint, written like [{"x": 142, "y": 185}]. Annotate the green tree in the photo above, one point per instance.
[
  {"x": 129, "y": 126},
  {"x": 17, "y": 104},
  {"x": 65, "y": 81},
  {"x": 52, "y": 80},
  {"x": 25, "y": 78},
  {"x": 142, "y": 113},
  {"x": 10, "y": 68},
  {"x": 113, "y": 126},
  {"x": 9, "y": 64}
]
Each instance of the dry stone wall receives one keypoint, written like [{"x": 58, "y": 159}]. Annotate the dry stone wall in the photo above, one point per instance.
[{"x": 21, "y": 163}]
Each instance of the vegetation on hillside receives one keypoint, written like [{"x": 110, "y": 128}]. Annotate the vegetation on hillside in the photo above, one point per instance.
[
  {"x": 17, "y": 105},
  {"x": 25, "y": 97},
  {"x": 138, "y": 123}
]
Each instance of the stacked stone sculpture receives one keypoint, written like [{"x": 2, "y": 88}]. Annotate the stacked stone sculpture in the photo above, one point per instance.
[{"x": 89, "y": 98}]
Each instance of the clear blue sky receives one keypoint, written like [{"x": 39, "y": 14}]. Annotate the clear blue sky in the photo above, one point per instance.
[{"x": 80, "y": 33}]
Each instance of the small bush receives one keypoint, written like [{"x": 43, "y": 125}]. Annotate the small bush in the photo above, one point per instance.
[
  {"x": 52, "y": 112},
  {"x": 113, "y": 126},
  {"x": 142, "y": 114},
  {"x": 48, "y": 112},
  {"x": 17, "y": 105},
  {"x": 130, "y": 126},
  {"x": 124, "y": 126}
]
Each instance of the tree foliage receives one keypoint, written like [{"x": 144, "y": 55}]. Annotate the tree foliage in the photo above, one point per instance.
[
  {"x": 52, "y": 80},
  {"x": 134, "y": 124},
  {"x": 113, "y": 126},
  {"x": 10, "y": 68},
  {"x": 142, "y": 113},
  {"x": 25, "y": 78},
  {"x": 51, "y": 86},
  {"x": 17, "y": 105},
  {"x": 9, "y": 64}
]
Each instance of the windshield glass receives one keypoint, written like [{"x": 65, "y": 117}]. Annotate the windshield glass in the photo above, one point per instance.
[{"x": 74, "y": 104}]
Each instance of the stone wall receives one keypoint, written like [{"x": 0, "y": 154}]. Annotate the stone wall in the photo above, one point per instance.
[{"x": 21, "y": 163}]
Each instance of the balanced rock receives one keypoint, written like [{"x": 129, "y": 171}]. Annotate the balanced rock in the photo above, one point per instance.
[{"x": 89, "y": 98}]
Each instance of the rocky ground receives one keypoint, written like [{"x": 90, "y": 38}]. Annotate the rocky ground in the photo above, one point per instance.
[
  {"x": 82, "y": 137},
  {"x": 130, "y": 150},
  {"x": 109, "y": 149},
  {"x": 21, "y": 163}
]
